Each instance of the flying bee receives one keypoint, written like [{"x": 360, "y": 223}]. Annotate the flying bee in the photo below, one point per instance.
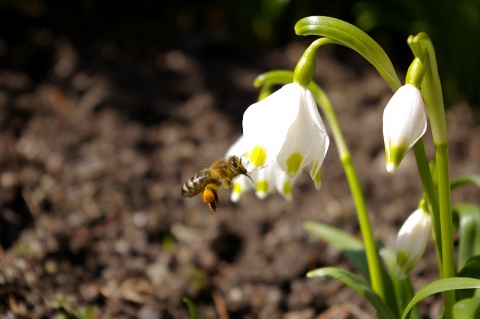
[{"x": 221, "y": 172}]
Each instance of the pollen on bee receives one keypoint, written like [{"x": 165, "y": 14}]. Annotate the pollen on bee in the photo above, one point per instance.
[{"x": 208, "y": 196}]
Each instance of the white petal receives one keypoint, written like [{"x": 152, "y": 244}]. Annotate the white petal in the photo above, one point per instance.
[
  {"x": 237, "y": 148},
  {"x": 404, "y": 118},
  {"x": 264, "y": 181},
  {"x": 266, "y": 122},
  {"x": 411, "y": 241},
  {"x": 404, "y": 123},
  {"x": 240, "y": 185},
  {"x": 307, "y": 138},
  {"x": 283, "y": 183}
]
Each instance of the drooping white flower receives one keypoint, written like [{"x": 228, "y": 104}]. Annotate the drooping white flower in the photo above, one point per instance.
[
  {"x": 404, "y": 123},
  {"x": 286, "y": 127},
  {"x": 265, "y": 180},
  {"x": 412, "y": 240}
]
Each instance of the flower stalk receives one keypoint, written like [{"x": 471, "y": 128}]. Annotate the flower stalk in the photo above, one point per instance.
[
  {"x": 374, "y": 266},
  {"x": 422, "y": 48}
]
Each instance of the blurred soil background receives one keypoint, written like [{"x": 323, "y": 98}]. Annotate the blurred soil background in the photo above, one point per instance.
[{"x": 107, "y": 108}]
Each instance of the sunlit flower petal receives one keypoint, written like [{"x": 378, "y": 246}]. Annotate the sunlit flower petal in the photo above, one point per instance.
[
  {"x": 242, "y": 183},
  {"x": 266, "y": 179},
  {"x": 283, "y": 182},
  {"x": 264, "y": 182},
  {"x": 285, "y": 127},
  {"x": 404, "y": 123},
  {"x": 412, "y": 240}
]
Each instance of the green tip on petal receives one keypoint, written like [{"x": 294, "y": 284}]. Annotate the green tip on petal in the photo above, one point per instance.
[
  {"x": 236, "y": 192},
  {"x": 402, "y": 258},
  {"x": 403, "y": 267},
  {"x": 262, "y": 187},
  {"x": 317, "y": 177},
  {"x": 394, "y": 157},
  {"x": 293, "y": 163},
  {"x": 237, "y": 188},
  {"x": 259, "y": 156},
  {"x": 287, "y": 188},
  {"x": 314, "y": 166}
]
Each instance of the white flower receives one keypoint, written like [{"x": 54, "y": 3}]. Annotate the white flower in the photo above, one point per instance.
[
  {"x": 412, "y": 240},
  {"x": 286, "y": 128},
  {"x": 266, "y": 180},
  {"x": 404, "y": 122}
]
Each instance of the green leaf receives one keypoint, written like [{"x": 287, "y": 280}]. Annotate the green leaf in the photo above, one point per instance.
[
  {"x": 354, "y": 249},
  {"x": 192, "y": 309},
  {"x": 467, "y": 309},
  {"x": 403, "y": 288},
  {"x": 343, "y": 241},
  {"x": 470, "y": 269},
  {"x": 472, "y": 179},
  {"x": 469, "y": 231},
  {"x": 358, "y": 284},
  {"x": 442, "y": 285},
  {"x": 352, "y": 37}
]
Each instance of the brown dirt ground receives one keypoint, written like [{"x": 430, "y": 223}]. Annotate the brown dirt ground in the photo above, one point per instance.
[{"x": 93, "y": 156}]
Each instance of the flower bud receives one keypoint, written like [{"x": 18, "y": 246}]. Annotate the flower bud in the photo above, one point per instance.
[
  {"x": 412, "y": 240},
  {"x": 404, "y": 122}
]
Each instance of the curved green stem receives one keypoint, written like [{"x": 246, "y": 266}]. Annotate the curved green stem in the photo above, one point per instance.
[
  {"x": 305, "y": 68},
  {"x": 352, "y": 37}
]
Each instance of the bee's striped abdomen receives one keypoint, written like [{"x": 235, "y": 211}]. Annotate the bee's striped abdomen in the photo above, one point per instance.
[{"x": 197, "y": 183}]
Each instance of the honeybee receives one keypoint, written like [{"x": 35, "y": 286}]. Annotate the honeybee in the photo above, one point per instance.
[{"x": 221, "y": 172}]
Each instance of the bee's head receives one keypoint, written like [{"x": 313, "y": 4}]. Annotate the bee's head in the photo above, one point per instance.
[{"x": 237, "y": 166}]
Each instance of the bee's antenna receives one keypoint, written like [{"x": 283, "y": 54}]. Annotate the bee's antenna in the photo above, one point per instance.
[
  {"x": 250, "y": 177},
  {"x": 247, "y": 173}
]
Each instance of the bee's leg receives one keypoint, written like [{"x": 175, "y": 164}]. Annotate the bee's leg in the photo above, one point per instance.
[
  {"x": 227, "y": 183},
  {"x": 210, "y": 197}
]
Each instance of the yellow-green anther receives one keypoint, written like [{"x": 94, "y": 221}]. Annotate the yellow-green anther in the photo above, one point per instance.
[{"x": 262, "y": 186}]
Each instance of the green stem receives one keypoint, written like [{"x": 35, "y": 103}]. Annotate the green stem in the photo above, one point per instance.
[
  {"x": 422, "y": 48},
  {"x": 374, "y": 266},
  {"x": 430, "y": 196},
  {"x": 373, "y": 259},
  {"x": 446, "y": 223}
]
